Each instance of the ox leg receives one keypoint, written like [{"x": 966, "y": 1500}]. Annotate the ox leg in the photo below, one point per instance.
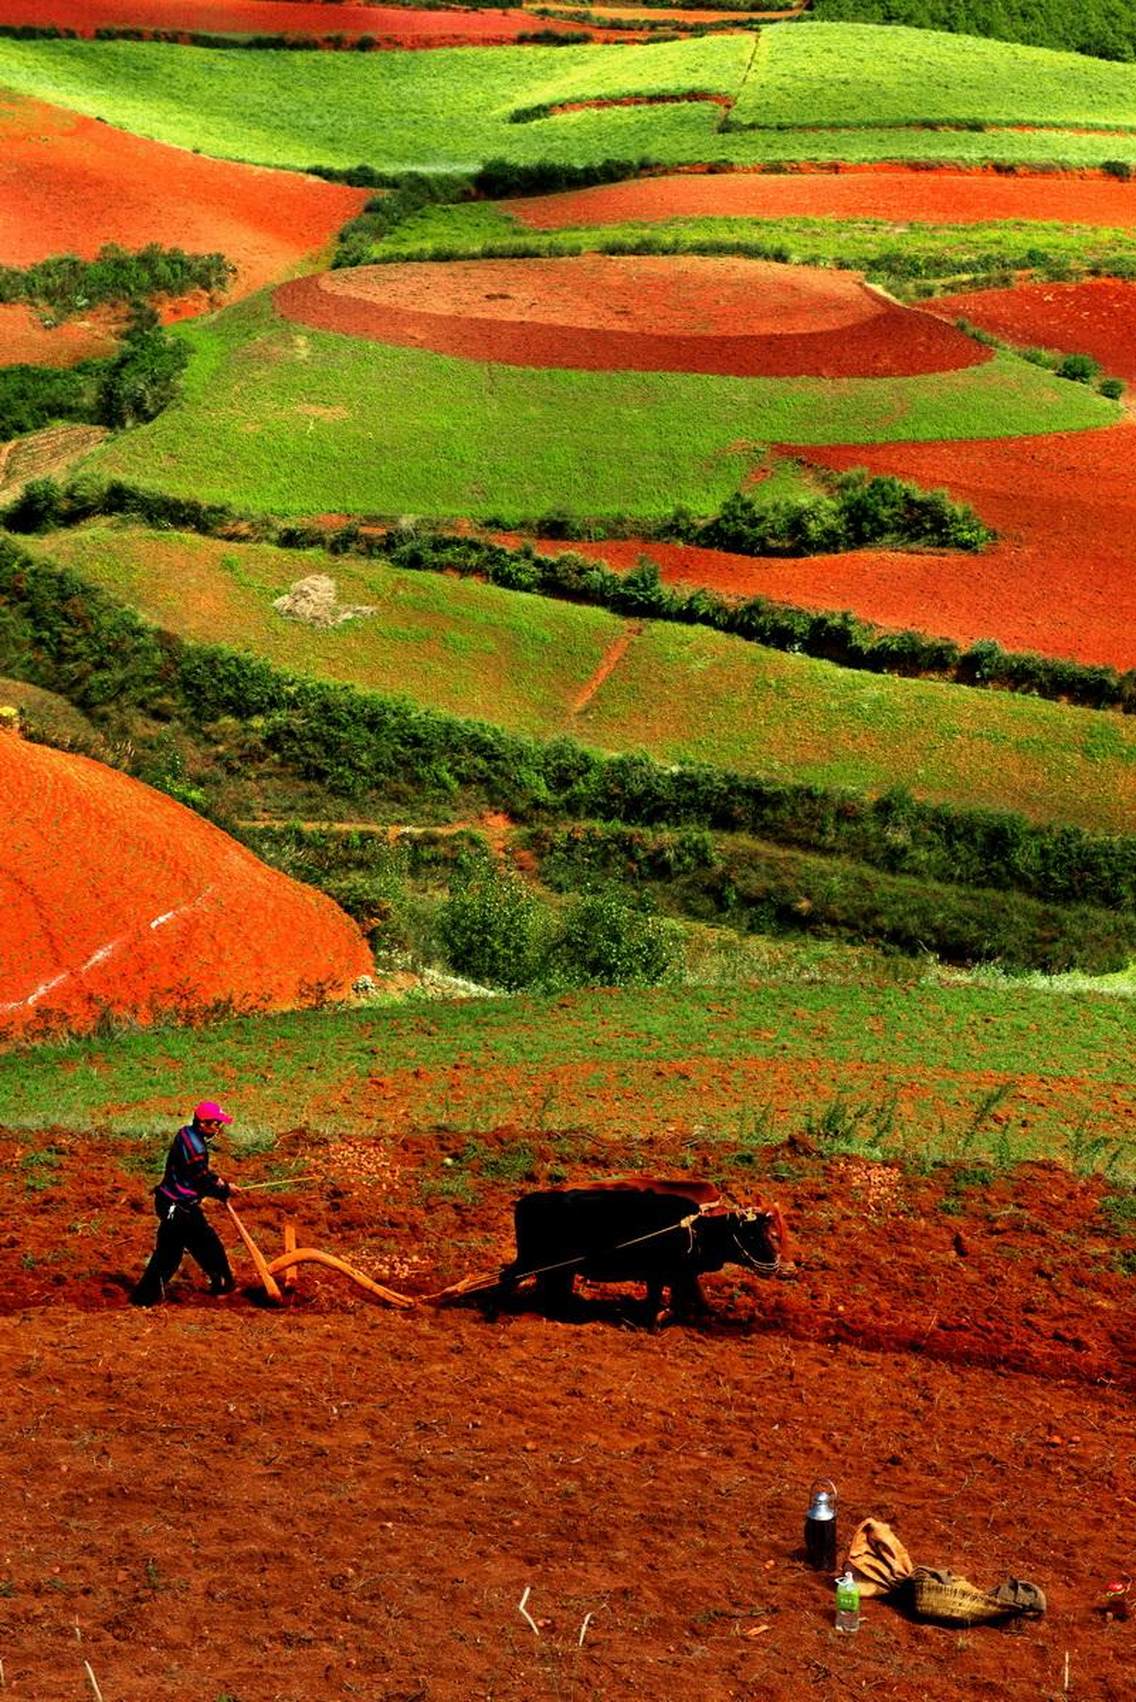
[
  {"x": 556, "y": 1292},
  {"x": 687, "y": 1296},
  {"x": 500, "y": 1295},
  {"x": 657, "y": 1313}
]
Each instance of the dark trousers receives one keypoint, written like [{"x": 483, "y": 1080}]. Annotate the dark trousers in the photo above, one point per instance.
[{"x": 182, "y": 1230}]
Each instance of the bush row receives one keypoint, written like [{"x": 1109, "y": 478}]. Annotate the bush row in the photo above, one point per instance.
[
  {"x": 837, "y": 637},
  {"x": 406, "y": 195},
  {"x": 60, "y": 633},
  {"x": 763, "y": 889},
  {"x": 859, "y": 511},
  {"x": 66, "y": 284}
]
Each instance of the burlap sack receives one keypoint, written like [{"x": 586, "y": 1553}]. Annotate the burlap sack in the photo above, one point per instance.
[{"x": 878, "y": 1558}]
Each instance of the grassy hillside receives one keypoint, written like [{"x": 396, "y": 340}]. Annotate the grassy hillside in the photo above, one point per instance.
[
  {"x": 682, "y": 694},
  {"x": 451, "y": 109},
  {"x": 448, "y": 109},
  {"x": 1101, "y": 27},
  {"x": 863, "y": 74},
  {"x": 629, "y": 1063},
  {"x": 278, "y": 417}
]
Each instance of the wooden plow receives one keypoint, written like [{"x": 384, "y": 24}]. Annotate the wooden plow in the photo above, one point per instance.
[{"x": 284, "y": 1267}]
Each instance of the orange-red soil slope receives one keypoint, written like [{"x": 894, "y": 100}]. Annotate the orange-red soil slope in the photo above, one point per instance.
[
  {"x": 1059, "y": 580},
  {"x": 640, "y": 313},
  {"x": 69, "y": 184},
  {"x": 401, "y": 25},
  {"x": 921, "y": 197},
  {"x": 1094, "y": 318},
  {"x": 114, "y": 896}
]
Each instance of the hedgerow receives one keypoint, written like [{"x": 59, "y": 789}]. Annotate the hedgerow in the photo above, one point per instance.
[
  {"x": 60, "y": 633},
  {"x": 132, "y": 385},
  {"x": 762, "y": 888},
  {"x": 65, "y": 284}
]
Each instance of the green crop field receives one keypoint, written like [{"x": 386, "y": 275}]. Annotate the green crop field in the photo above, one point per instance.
[
  {"x": 926, "y": 251},
  {"x": 466, "y": 648},
  {"x": 865, "y": 74},
  {"x": 348, "y": 109},
  {"x": 682, "y": 694},
  {"x": 278, "y": 417},
  {"x": 621, "y": 1063}
]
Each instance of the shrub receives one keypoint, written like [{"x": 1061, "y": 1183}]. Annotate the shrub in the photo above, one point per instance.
[
  {"x": 1113, "y": 388},
  {"x": 607, "y": 942},
  {"x": 494, "y": 928},
  {"x": 1082, "y": 369},
  {"x": 143, "y": 378}
]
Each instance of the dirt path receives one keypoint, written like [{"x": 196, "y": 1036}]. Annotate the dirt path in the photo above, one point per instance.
[{"x": 610, "y": 660}]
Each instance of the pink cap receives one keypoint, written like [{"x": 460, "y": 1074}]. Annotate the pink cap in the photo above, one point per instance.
[{"x": 210, "y": 1112}]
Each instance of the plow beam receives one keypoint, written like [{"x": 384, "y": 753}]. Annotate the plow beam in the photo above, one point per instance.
[{"x": 312, "y": 1256}]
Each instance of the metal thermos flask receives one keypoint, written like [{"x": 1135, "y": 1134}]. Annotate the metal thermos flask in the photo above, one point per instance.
[{"x": 820, "y": 1526}]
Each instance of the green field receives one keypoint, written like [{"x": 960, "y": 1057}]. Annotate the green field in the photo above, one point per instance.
[
  {"x": 276, "y": 417},
  {"x": 1104, "y": 27},
  {"x": 623, "y": 1064},
  {"x": 925, "y": 251},
  {"x": 865, "y": 73},
  {"x": 348, "y": 108},
  {"x": 682, "y": 694}
]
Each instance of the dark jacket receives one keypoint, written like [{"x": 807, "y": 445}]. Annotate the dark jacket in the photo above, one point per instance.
[{"x": 188, "y": 1178}]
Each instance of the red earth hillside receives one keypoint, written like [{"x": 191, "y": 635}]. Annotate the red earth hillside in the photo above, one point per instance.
[
  {"x": 405, "y": 26},
  {"x": 69, "y": 184},
  {"x": 639, "y": 313},
  {"x": 114, "y": 896}
]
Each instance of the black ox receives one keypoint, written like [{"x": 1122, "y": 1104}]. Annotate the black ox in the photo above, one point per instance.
[{"x": 664, "y": 1234}]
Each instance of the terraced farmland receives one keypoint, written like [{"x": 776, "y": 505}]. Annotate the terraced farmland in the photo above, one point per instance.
[
  {"x": 282, "y": 417},
  {"x": 682, "y": 694},
  {"x": 802, "y": 862}
]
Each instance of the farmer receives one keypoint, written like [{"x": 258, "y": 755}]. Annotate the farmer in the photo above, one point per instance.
[{"x": 182, "y": 1225}]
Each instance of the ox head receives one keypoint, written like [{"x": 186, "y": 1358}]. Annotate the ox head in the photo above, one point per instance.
[{"x": 759, "y": 1239}]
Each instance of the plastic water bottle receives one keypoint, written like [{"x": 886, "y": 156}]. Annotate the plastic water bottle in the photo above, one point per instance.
[
  {"x": 847, "y": 1603},
  {"x": 820, "y": 1527}
]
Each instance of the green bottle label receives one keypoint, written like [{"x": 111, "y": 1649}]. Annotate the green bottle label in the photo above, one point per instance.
[{"x": 847, "y": 1598}]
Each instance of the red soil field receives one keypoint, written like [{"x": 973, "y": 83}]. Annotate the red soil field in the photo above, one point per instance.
[
  {"x": 642, "y": 314},
  {"x": 69, "y": 184},
  {"x": 395, "y": 25},
  {"x": 1093, "y": 318},
  {"x": 112, "y": 895},
  {"x": 370, "y": 1493},
  {"x": 921, "y": 197},
  {"x": 24, "y": 340},
  {"x": 1058, "y": 581}
]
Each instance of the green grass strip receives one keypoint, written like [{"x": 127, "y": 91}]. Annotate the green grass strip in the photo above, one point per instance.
[{"x": 551, "y": 1063}]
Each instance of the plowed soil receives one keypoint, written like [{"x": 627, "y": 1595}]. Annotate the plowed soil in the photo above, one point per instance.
[
  {"x": 25, "y": 340},
  {"x": 917, "y": 197},
  {"x": 642, "y": 313},
  {"x": 402, "y": 25},
  {"x": 340, "y": 1500},
  {"x": 1094, "y": 318},
  {"x": 69, "y": 184},
  {"x": 1059, "y": 580},
  {"x": 114, "y": 897}
]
